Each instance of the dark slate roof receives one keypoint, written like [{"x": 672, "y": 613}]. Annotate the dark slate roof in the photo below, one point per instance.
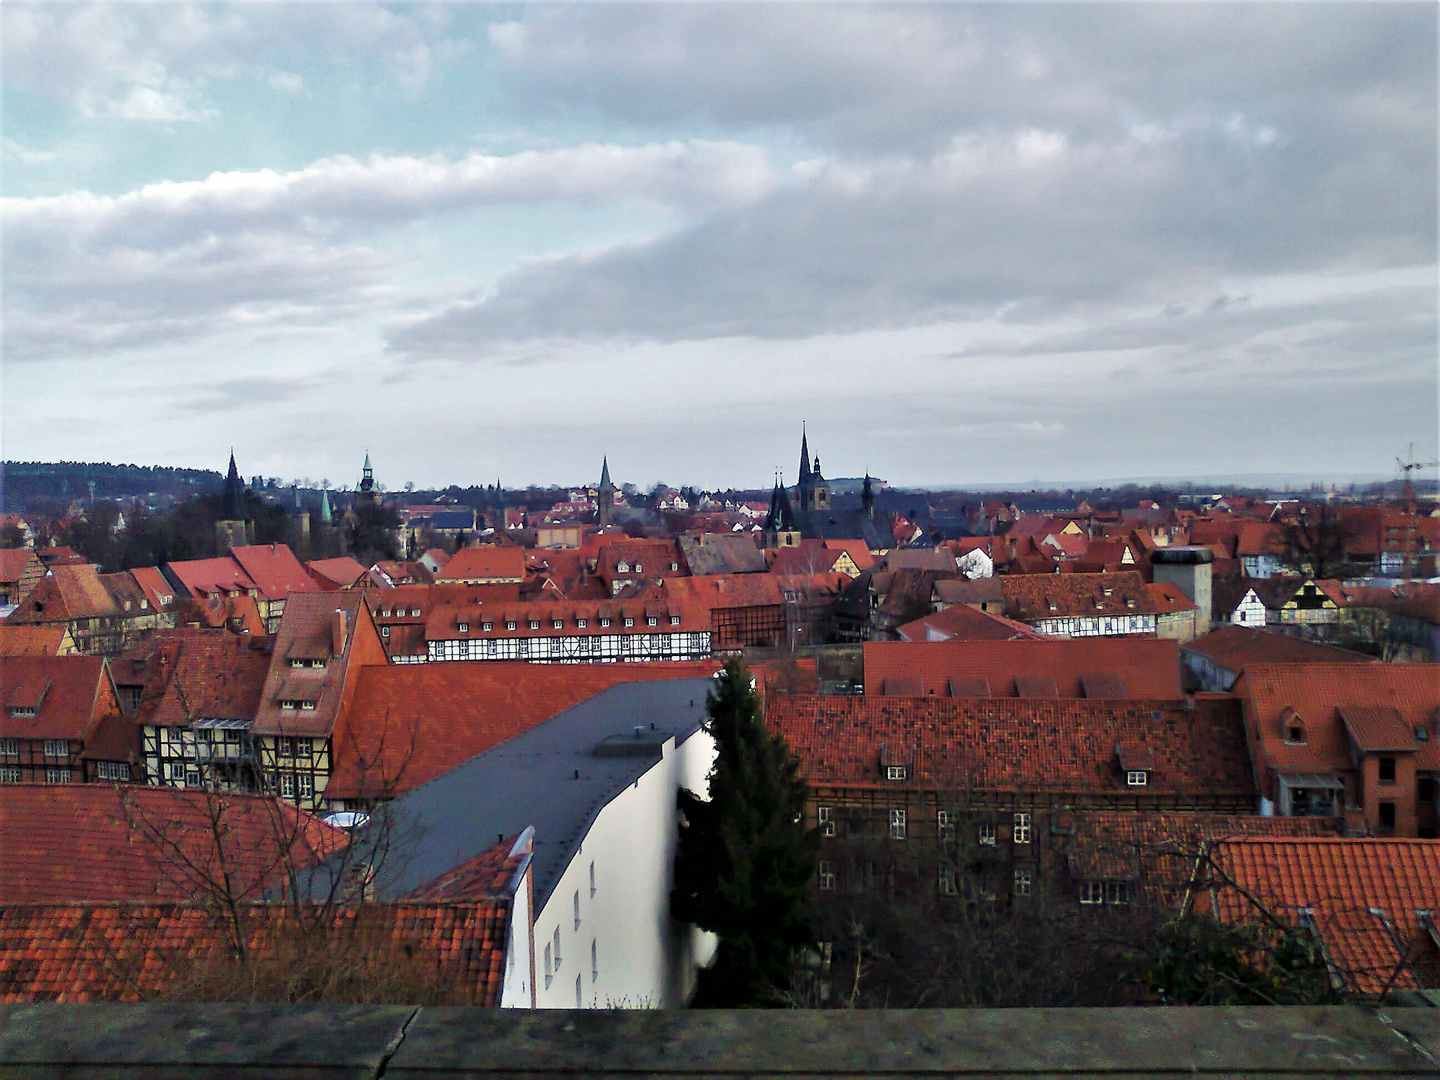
[
  {"x": 781, "y": 517},
  {"x": 530, "y": 780},
  {"x": 837, "y": 524}
]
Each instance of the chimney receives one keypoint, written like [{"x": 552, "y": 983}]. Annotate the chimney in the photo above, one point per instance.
[{"x": 338, "y": 630}]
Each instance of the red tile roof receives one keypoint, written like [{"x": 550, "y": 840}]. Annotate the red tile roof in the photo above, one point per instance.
[
  {"x": 716, "y": 591},
  {"x": 274, "y": 570},
  {"x": 339, "y": 573},
  {"x": 130, "y": 952},
  {"x": 159, "y": 591},
  {"x": 68, "y": 591},
  {"x": 1149, "y": 667},
  {"x": 411, "y": 722},
  {"x": 1363, "y": 897},
  {"x": 201, "y": 576},
  {"x": 1316, "y": 691},
  {"x": 13, "y": 562},
  {"x": 68, "y": 694},
  {"x": 1236, "y": 647},
  {"x": 31, "y": 640},
  {"x": 963, "y": 623},
  {"x": 103, "y": 842},
  {"x": 484, "y": 563},
  {"x": 1169, "y": 597},
  {"x": 194, "y": 674},
  {"x": 1032, "y": 597},
  {"x": 334, "y": 629},
  {"x": 1064, "y": 748},
  {"x": 486, "y": 876}
]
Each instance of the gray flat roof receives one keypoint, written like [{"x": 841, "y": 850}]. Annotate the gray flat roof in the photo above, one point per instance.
[{"x": 550, "y": 778}]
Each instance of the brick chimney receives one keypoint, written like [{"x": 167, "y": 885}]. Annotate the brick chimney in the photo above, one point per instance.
[{"x": 338, "y": 631}]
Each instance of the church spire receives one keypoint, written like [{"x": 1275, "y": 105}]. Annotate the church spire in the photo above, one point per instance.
[
  {"x": 233, "y": 506},
  {"x": 804, "y": 455},
  {"x": 605, "y": 474}
]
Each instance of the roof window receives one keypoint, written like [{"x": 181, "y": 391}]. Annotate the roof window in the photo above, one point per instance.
[
  {"x": 487, "y": 626},
  {"x": 604, "y": 622},
  {"x": 509, "y": 624},
  {"x": 464, "y": 627},
  {"x": 674, "y": 620},
  {"x": 556, "y": 624}
]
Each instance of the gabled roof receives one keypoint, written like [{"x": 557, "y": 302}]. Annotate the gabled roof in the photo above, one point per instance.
[
  {"x": 1032, "y": 597},
  {"x": 274, "y": 570},
  {"x": 713, "y": 591},
  {"x": 334, "y": 630},
  {"x": 339, "y": 573},
  {"x": 68, "y": 695},
  {"x": 1145, "y": 667},
  {"x": 1316, "y": 691},
  {"x": 195, "y": 673},
  {"x": 37, "y": 640},
  {"x": 959, "y": 622},
  {"x": 105, "y": 842},
  {"x": 409, "y": 723},
  {"x": 160, "y": 592},
  {"x": 710, "y": 553},
  {"x": 1065, "y": 748},
  {"x": 1235, "y": 647},
  {"x": 67, "y": 591},
  {"x": 1363, "y": 898},
  {"x": 129, "y": 952},
  {"x": 202, "y": 576},
  {"x": 485, "y": 562},
  {"x": 14, "y": 562}
]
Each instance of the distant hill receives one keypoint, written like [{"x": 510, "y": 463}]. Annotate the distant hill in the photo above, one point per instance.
[{"x": 22, "y": 482}]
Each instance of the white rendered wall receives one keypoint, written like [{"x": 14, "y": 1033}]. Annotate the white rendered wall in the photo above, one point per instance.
[
  {"x": 642, "y": 960},
  {"x": 515, "y": 990}
]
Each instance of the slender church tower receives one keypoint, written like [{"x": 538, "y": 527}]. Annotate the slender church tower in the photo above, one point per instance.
[
  {"x": 232, "y": 530},
  {"x": 811, "y": 491},
  {"x": 604, "y": 496},
  {"x": 365, "y": 493}
]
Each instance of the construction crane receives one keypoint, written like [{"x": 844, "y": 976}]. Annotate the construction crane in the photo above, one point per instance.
[{"x": 1408, "y": 507}]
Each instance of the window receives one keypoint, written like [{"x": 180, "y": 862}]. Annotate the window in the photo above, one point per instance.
[
  {"x": 557, "y": 948},
  {"x": 534, "y": 624},
  {"x": 674, "y": 566},
  {"x": 987, "y": 835},
  {"x": 897, "y": 824},
  {"x": 947, "y": 880},
  {"x": 824, "y": 819},
  {"x": 556, "y": 624},
  {"x": 623, "y": 567},
  {"x": 9, "y": 774},
  {"x": 1104, "y": 892},
  {"x": 287, "y": 706},
  {"x": 307, "y": 706},
  {"x": 1022, "y": 882},
  {"x": 651, "y": 620},
  {"x": 112, "y": 770},
  {"x": 895, "y": 772},
  {"x": 1387, "y": 769},
  {"x": 549, "y": 968},
  {"x": 287, "y": 785},
  {"x": 674, "y": 620},
  {"x": 192, "y": 776},
  {"x": 1136, "y": 777},
  {"x": 1422, "y": 733},
  {"x": 592, "y": 878},
  {"x": 307, "y": 786},
  {"x": 285, "y": 746},
  {"x": 487, "y": 626},
  {"x": 582, "y": 623},
  {"x": 629, "y": 621},
  {"x": 384, "y": 631},
  {"x": 1020, "y": 828},
  {"x": 639, "y": 569},
  {"x": 825, "y": 876},
  {"x": 415, "y": 613},
  {"x": 57, "y": 776},
  {"x": 303, "y": 747},
  {"x": 594, "y": 961},
  {"x": 9, "y": 747},
  {"x": 1387, "y": 817},
  {"x": 464, "y": 628},
  {"x": 22, "y": 712},
  {"x": 577, "y": 909},
  {"x": 604, "y": 622},
  {"x": 510, "y": 624},
  {"x": 57, "y": 748},
  {"x": 944, "y": 825}
]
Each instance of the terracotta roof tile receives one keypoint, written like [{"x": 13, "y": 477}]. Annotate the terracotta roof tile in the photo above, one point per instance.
[
  {"x": 1032, "y": 597},
  {"x": 1147, "y": 667},
  {"x": 1236, "y": 647},
  {"x": 53, "y": 697},
  {"x": 274, "y": 570},
  {"x": 963, "y": 623},
  {"x": 194, "y": 673},
  {"x": 998, "y": 744},
  {"x": 103, "y": 842},
  {"x": 485, "y": 562},
  {"x": 31, "y": 640},
  {"x": 1363, "y": 897}
]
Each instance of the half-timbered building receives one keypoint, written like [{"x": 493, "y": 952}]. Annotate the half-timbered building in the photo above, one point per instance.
[{"x": 50, "y": 708}]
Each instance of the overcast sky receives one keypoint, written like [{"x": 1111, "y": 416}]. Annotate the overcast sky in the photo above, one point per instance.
[{"x": 964, "y": 243}]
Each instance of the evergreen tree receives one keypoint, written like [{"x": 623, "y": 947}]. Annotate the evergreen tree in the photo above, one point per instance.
[{"x": 745, "y": 857}]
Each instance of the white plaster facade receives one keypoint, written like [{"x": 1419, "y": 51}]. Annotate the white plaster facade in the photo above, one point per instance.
[
  {"x": 1249, "y": 612},
  {"x": 575, "y": 648},
  {"x": 1098, "y": 626},
  {"x": 604, "y": 938},
  {"x": 975, "y": 564}
]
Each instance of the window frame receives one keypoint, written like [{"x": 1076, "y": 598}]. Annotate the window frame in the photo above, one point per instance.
[
  {"x": 898, "y": 823},
  {"x": 1020, "y": 827}
]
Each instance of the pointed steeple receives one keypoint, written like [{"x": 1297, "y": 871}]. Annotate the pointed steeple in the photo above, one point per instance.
[
  {"x": 326, "y": 517},
  {"x": 781, "y": 518},
  {"x": 604, "y": 496},
  {"x": 233, "y": 505},
  {"x": 368, "y": 471},
  {"x": 867, "y": 497},
  {"x": 605, "y": 474},
  {"x": 804, "y": 455}
]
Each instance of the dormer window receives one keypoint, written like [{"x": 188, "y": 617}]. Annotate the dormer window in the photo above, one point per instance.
[
  {"x": 509, "y": 624},
  {"x": 487, "y": 626},
  {"x": 464, "y": 627},
  {"x": 674, "y": 620},
  {"x": 638, "y": 568},
  {"x": 1292, "y": 727},
  {"x": 623, "y": 567},
  {"x": 23, "y": 712},
  {"x": 534, "y": 624},
  {"x": 651, "y": 621},
  {"x": 896, "y": 772},
  {"x": 629, "y": 621},
  {"x": 582, "y": 623},
  {"x": 674, "y": 566},
  {"x": 307, "y": 706},
  {"x": 1136, "y": 778},
  {"x": 604, "y": 622}
]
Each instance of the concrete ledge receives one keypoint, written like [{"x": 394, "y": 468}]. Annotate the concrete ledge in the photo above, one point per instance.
[{"x": 401, "y": 1043}]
